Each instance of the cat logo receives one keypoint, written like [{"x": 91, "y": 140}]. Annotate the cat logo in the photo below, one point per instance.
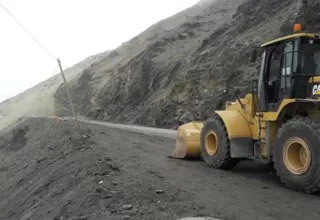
[{"x": 316, "y": 90}]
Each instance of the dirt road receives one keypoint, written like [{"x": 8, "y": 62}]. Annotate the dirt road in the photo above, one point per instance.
[{"x": 51, "y": 171}]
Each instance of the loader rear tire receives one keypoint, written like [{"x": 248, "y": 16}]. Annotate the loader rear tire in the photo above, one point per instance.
[
  {"x": 296, "y": 155},
  {"x": 215, "y": 144}
]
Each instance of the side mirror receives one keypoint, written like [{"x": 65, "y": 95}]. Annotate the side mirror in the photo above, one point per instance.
[{"x": 254, "y": 55}]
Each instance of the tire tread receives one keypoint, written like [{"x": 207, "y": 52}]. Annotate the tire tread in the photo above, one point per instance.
[
  {"x": 227, "y": 162},
  {"x": 313, "y": 124}
]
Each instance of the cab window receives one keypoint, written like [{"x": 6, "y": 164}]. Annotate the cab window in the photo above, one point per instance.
[
  {"x": 274, "y": 74},
  {"x": 310, "y": 56},
  {"x": 289, "y": 65},
  {"x": 287, "y": 61}
]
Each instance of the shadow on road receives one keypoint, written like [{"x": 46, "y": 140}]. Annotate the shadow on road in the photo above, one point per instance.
[
  {"x": 254, "y": 170},
  {"x": 248, "y": 169}
]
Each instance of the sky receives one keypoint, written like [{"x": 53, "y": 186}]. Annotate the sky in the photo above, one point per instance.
[{"x": 71, "y": 30}]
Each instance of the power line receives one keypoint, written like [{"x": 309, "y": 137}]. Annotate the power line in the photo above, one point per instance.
[
  {"x": 35, "y": 39},
  {"x": 52, "y": 56}
]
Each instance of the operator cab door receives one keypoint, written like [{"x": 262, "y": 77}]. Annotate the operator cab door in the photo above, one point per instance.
[
  {"x": 273, "y": 75},
  {"x": 275, "y": 81}
]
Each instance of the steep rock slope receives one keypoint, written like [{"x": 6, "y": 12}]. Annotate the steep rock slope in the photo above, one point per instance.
[
  {"x": 134, "y": 84},
  {"x": 176, "y": 70}
]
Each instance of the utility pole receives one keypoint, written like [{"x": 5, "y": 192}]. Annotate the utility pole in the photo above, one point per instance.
[
  {"x": 68, "y": 94},
  {"x": 51, "y": 55}
]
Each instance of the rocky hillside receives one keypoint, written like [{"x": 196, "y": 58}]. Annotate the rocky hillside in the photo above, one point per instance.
[{"x": 176, "y": 70}]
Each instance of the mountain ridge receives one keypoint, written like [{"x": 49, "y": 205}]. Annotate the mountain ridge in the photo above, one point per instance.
[{"x": 175, "y": 71}]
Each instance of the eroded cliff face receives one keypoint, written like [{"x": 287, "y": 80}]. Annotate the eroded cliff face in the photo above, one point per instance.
[{"x": 177, "y": 69}]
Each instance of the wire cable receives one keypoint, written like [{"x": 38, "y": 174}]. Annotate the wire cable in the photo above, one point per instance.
[{"x": 35, "y": 39}]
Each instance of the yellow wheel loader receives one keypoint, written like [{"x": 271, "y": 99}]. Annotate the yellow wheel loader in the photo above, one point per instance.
[{"x": 278, "y": 122}]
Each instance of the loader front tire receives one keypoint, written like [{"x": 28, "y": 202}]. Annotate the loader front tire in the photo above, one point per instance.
[
  {"x": 296, "y": 155},
  {"x": 215, "y": 144}
]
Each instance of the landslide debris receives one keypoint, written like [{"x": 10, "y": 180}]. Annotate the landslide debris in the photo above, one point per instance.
[{"x": 51, "y": 170}]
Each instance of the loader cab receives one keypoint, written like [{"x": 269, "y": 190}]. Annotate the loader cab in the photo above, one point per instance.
[{"x": 288, "y": 63}]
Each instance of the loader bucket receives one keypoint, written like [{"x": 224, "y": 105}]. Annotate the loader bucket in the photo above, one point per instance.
[{"x": 188, "y": 141}]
